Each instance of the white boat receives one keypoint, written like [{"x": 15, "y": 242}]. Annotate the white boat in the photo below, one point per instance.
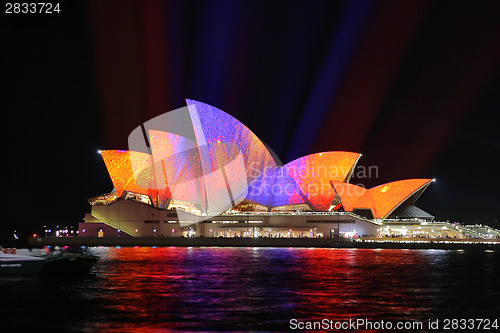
[{"x": 26, "y": 262}]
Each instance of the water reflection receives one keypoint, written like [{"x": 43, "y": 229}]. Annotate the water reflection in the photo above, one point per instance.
[
  {"x": 262, "y": 289},
  {"x": 242, "y": 289},
  {"x": 192, "y": 288}
]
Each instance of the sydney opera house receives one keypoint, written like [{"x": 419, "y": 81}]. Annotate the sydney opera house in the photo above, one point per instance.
[{"x": 197, "y": 171}]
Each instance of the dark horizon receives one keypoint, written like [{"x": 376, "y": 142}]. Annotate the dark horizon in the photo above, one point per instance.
[{"x": 413, "y": 86}]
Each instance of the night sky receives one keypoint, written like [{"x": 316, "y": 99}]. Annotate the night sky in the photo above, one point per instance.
[{"x": 412, "y": 85}]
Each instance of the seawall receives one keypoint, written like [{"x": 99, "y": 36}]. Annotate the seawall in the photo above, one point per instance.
[{"x": 262, "y": 242}]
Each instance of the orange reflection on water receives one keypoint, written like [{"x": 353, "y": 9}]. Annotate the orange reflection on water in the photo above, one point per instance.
[{"x": 359, "y": 283}]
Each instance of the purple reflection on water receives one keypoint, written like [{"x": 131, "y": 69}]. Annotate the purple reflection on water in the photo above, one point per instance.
[{"x": 262, "y": 289}]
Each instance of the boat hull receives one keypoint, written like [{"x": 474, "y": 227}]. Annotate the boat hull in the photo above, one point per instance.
[
  {"x": 66, "y": 264},
  {"x": 20, "y": 267},
  {"x": 69, "y": 265}
]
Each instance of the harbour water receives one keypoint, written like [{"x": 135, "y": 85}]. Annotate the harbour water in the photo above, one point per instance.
[{"x": 254, "y": 289}]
